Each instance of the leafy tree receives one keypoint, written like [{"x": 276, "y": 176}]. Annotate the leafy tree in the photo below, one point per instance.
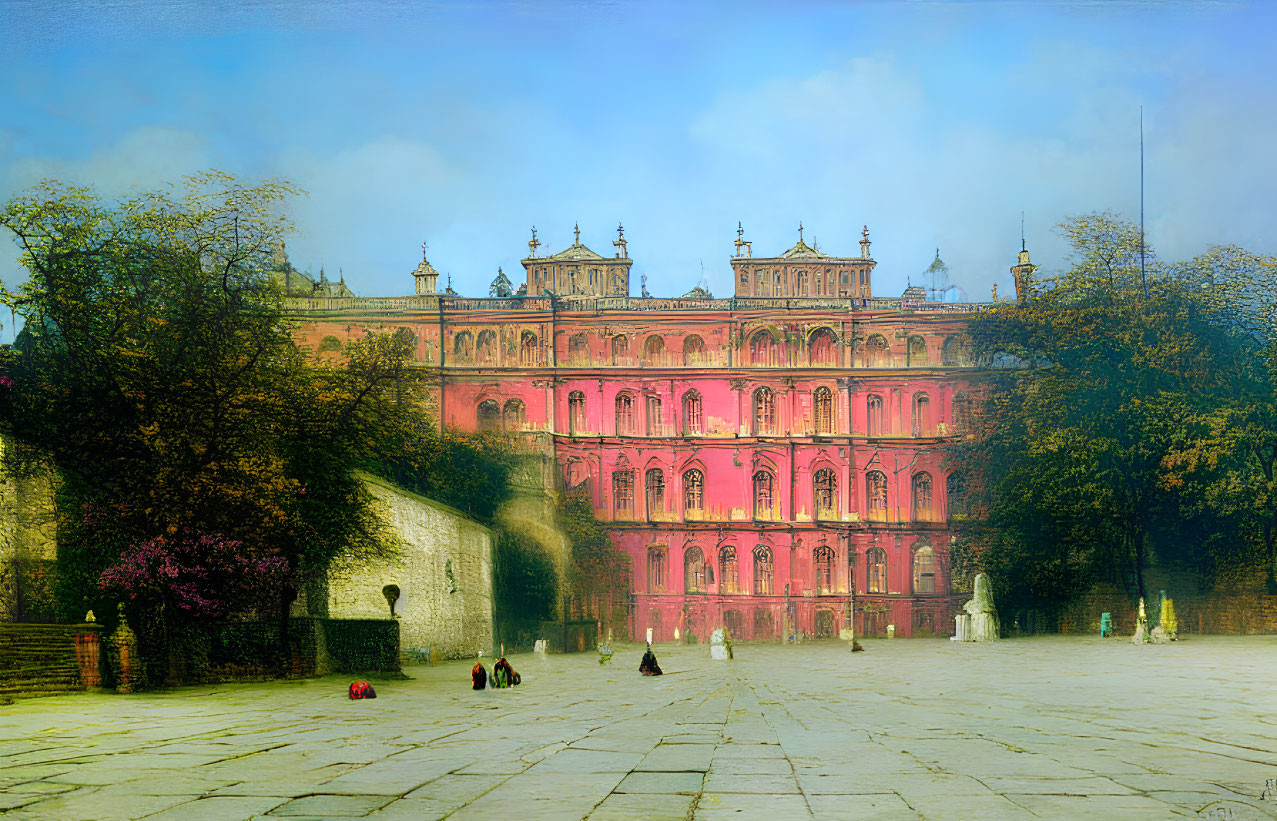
[
  {"x": 158, "y": 376},
  {"x": 1083, "y": 455}
]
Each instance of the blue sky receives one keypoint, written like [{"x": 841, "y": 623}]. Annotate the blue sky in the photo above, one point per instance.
[{"x": 464, "y": 124}]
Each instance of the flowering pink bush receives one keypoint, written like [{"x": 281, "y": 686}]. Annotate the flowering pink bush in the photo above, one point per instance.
[{"x": 200, "y": 576}]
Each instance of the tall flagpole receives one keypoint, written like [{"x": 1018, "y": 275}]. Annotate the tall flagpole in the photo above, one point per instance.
[{"x": 1143, "y": 281}]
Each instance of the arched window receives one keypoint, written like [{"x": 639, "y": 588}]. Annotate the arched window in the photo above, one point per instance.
[
  {"x": 653, "y": 415},
  {"x": 822, "y": 401},
  {"x": 876, "y": 490},
  {"x": 657, "y": 568},
  {"x": 803, "y": 286},
  {"x": 693, "y": 350},
  {"x": 576, "y": 412},
  {"x": 764, "y": 496},
  {"x": 876, "y": 416},
  {"x": 961, "y": 412},
  {"x": 877, "y": 353},
  {"x": 728, "y": 576},
  {"x": 620, "y": 350},
  {"x": 528, "y": 353},
  {"x": 693, "y": 570},
  {"x": 578, "y": 349},
  {"x": 763, "y": 572},
  {"x": 917, "y": 351},
  {"x": 513, "y": 415},
  {"x": 488, "y": 415},
  {"x": 921, "y": 414},
  {"x": 951, "y": 353},
  {"x": 693, "y": 419},
  {"x": 624, "y": 414},
  {"x": 623, "y": 493},
  {"x": 922, "y": 496},
  {"x": 463, "y": 346},
  {"x": 825, "y": 489},
  {"x": 924, "y": 569},
  {"x": 823, "y": 559},
  {"x": 763, "y": 349},
  {"x": 821, "y": 348},
  {"x": 693, "y": 492},
  {"x": 876, "y": 570},
  {"x": 764, "y": 412},
  {"x": 485, "y": 351},
  {"x": 654, "y": 485},
  {"x": 654, "y": 350}
]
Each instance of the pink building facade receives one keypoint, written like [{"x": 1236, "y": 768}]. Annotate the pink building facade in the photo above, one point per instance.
[{"x": 764, "y": 461}]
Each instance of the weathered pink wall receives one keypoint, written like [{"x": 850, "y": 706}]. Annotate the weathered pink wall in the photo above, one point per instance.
[{"x": 544, "y": 351}]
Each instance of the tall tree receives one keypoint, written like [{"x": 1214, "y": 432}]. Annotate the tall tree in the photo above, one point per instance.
[
  {"x": 1073, "y": 449},
  {"x": 158, "y": 375}
]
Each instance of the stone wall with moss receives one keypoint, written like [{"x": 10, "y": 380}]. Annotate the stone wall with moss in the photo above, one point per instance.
[
  {"x": 28, "y": 544},
  {"x": 443, "y": 573}
]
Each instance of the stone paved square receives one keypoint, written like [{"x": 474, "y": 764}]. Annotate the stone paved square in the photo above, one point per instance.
[{"x": 1052, "y": 727}]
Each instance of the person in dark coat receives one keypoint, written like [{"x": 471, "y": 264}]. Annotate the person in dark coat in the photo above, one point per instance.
[
  {"x": 479, "y": 676},
  {"x": 648, "y": 665}
]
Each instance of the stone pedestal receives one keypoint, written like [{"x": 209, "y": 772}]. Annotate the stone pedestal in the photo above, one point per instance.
[
  {"x": 720, "y": 646},
  {"x": 126, "y": 665},
  {"x": 980, "y": 621}
]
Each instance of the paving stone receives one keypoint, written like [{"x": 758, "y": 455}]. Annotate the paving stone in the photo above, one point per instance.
[
  {"x": 877, "y": 806},
  {"x": 587, "y": 761},
  {"x": 751, "y": 766},
  {"x": 626, "y": 807},
  {"x": 750, "y": 806},
  {"x": 672, "y": 758},
  {"x": 461, "y": 789},
  {"x": 773, "y": 784},
  {"x": 217, "y": 809},
  {"x": 685, "y": 783},
  {"x": 331, "y": 805}
]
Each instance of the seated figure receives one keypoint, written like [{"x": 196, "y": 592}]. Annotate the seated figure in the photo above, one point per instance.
[
  {"x": 503, "y": 674},
  {"x": 648, "y": 665},
  {"x": 479, "y": 676}
]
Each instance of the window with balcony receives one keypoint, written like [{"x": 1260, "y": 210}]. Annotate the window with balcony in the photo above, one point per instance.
[
  {"x": 623, "y": 493},
  {"x": 693, "y": 492},
  {"x": 823, "y": 560},
  {"x": 825, "y": 491},
  {"x": 728, "y": 575},
  {"x": 654, "y": 484},
  {"x": 624, "y": 414},
  {"x": 876, "y": 570},
  {"x": 693, "y": 418},
  {"x": 764, "y": 495},
  {"x": 764, "y": 412},
  {"x": 764, "y": 573},
  {"x": 822, "y": 400},
  {"x": 876, "y": 491}
]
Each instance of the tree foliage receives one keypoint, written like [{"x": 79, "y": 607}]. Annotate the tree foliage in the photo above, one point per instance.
[
  {"x": 158, "y": 376},
  {"x": 1137, "y": 423}
]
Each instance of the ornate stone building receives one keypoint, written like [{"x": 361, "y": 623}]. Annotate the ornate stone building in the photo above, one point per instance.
[{"x": 759, "y": 458}]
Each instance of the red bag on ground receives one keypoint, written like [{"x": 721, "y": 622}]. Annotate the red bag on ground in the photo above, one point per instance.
[{"x": 362, "y": 689}]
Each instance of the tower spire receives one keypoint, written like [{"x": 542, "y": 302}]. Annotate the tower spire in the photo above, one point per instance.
[{"x": 576, "y": 230}]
